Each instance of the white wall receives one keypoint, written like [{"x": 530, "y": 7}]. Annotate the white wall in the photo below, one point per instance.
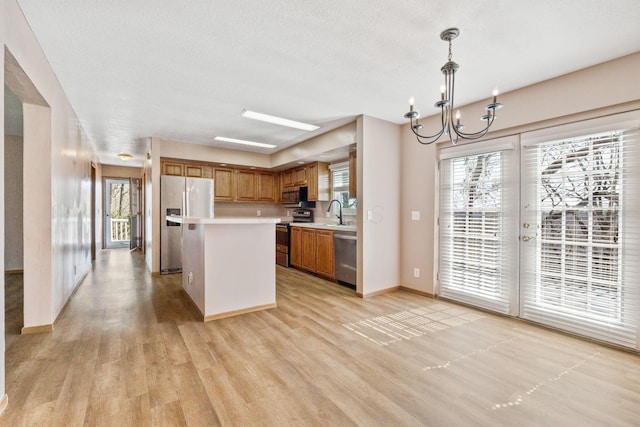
[
  {"x": 3, "y": 25},
  {"x": 596, "y": 91},
  {"x": 60, "y": 170},
  {"x": 38, "y": 269},
  {"x": 13, "y": 189},
  {"x": 378, "y": 195}
]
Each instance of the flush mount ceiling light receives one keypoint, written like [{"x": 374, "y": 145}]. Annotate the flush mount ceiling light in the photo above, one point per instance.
[
  {"x": 446, "y": 105},
  {"x": 243, "y": 142},
  {"x": 125, "y": 156},
  {"x": 279, "y": 121}
]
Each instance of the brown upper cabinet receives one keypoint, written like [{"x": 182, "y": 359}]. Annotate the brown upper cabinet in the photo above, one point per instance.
[
  {"x": 224, "y": 184},
  {"x": 172, "y": 168},
  {"x": 300, "y": 176},
  {"x": 242, "y": 185},
  {"x": 318, "y": 182},
  {"x": 287, "y": 178},
  {"x": 193, "y": 171},
  {"x": 315, "y": 176},
  {"x": 256, "y": 186},
  {"x": 266, "y": 186},
  {"x": 245, "y": 185}
]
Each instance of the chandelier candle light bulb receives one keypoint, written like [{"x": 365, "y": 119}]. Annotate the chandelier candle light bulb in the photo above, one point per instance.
[{"x": 446, "y": 104}]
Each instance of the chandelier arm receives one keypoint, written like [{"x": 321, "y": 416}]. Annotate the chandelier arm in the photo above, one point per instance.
[
  {"x": 435, "y": 135},
  {"x": 430, "y": 138},
  {"x": 475, "y": 135}
]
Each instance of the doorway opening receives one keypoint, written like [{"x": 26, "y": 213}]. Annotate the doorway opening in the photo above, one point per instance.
[
  {"x": 117, "y": 213},
  {"x": 13, "y": 213}
]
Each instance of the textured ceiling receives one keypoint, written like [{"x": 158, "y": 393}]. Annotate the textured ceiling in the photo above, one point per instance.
[{"x": 185, "y": 70}]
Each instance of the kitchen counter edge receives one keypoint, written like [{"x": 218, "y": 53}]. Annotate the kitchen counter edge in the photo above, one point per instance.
[
  {"x": 227, "y": 220},
  {"x": 325, "y": 226}
]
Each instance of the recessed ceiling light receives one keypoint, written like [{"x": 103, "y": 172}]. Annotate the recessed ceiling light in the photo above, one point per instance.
[
  {"x": 243, "y": 142},
  {"x": 279, "y": 121}
]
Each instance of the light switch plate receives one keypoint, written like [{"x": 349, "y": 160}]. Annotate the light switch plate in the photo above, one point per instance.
[{"x": 415, "y": 215}]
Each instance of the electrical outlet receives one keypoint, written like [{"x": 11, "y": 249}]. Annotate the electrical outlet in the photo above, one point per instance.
[
  {"x": 370, "y": 215},
  {"x": 416, "y": 272},
  {"x": 288, "y": 213},
  {"x": 259, "y": 213},
  {"x": 328, "y": 214}
]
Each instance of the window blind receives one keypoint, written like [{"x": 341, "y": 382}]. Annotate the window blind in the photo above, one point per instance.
[
  {"x": 478, "y": 195},
  {"x": 340, "y": 187},
  {"x": 580, "y": 270}
]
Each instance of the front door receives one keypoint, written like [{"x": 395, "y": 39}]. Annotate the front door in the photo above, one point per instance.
[{"x": 117, "y": 208}]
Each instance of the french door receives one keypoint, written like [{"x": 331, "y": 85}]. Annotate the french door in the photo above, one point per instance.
[
  {"x": 117, "y": 212},
  {"x": 562, "y": 248}
]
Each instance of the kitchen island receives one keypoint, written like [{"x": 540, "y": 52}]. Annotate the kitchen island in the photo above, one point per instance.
[{"x": 228, "y": 264}]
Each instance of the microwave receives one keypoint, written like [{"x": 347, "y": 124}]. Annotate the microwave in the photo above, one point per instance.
[{"x": 294, "y": 197}]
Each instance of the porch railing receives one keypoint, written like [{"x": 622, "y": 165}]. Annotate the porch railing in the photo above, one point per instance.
[{"x": 120, "y": 230}]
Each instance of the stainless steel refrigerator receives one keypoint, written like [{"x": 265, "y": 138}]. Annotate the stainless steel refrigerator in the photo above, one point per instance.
[{"x": 180, "y": 196}]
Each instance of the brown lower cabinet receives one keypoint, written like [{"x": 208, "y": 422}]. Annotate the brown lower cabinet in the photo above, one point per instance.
[
  {"x": 295, "y": 250},
  {"x": 312, "y": 250}
]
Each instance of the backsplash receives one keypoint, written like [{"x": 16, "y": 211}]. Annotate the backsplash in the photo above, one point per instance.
[
  {"x": 234, "y": 209},
  {"x": 320, "y": 215}
]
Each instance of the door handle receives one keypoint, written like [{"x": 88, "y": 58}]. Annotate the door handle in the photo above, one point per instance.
[{"x": 527, "y": 238}]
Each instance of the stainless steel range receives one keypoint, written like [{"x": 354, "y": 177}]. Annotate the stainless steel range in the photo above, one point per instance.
[{"x": 283, "y": 234}]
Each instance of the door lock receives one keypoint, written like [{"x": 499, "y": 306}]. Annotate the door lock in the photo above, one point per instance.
[{"x": 527, "y": 238}]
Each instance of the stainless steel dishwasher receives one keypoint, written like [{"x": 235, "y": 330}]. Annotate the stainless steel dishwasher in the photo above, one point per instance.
[{"x": 345, "y": 252}]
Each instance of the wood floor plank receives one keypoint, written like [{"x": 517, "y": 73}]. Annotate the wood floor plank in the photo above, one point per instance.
[{"x": 129, "y": 350}]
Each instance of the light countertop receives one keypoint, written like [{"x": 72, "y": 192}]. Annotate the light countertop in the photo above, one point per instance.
[{"x": 223, "y": 220}]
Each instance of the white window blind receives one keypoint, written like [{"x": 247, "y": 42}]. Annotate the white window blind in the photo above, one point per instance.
[
  {"x": 340, "y": 187},
  {"x": 477, "y": 227},
  {"x": 581, "y": 270}
]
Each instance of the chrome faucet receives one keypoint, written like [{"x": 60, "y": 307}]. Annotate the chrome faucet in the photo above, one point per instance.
[{"x": 339, "y": 204}]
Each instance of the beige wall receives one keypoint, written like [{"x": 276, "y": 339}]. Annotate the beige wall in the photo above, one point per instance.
[
  {"x": 39, "y": 216},
  {"x": 13, "y": 189},
  {"x": 111, "y": 171},
  {"x": 596, "y": 91},
  {"x": 378, "y": 205},
  {"x": 3, "y": 25},
  {"x": 58, "y": 206},
  {"x": 337, "y": 138}
]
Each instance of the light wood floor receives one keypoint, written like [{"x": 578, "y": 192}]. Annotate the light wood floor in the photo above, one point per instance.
[{"x": 128, "y": 351}]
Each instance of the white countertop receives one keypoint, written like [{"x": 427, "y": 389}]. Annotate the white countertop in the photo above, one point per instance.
[
  {"x": 323, "y": 226},
  {"x": 223, "y": 220}
]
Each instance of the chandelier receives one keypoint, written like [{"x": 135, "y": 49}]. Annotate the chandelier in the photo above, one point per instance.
[{"x": 446, "y": 105}]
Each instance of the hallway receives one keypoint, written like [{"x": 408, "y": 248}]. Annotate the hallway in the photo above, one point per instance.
[{"x": 128, "y": 350}]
